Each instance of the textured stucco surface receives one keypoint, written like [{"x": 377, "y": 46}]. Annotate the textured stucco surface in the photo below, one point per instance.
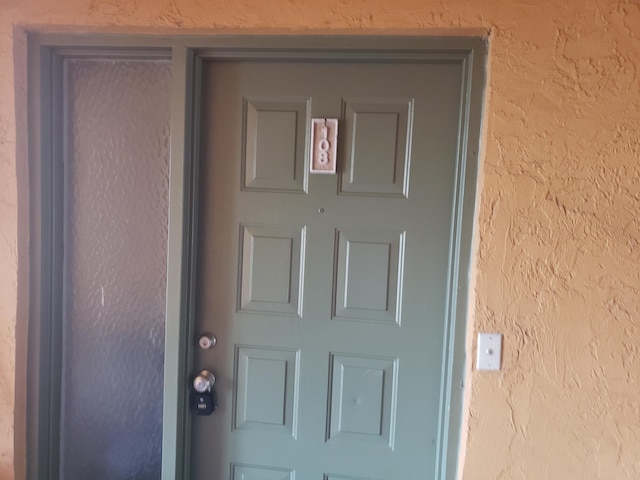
[{"x": 557, "y": 268}]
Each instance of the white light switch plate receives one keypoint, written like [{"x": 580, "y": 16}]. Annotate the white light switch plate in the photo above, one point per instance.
[{"x": 489, "y": 351}]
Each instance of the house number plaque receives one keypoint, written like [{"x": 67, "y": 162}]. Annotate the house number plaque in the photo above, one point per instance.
[{"x": 324, "y": 145}]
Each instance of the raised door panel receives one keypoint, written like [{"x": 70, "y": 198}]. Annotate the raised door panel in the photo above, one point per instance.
[
  {"x": 272, "y": 269},
  {"x": 362, "y": 399},
  {"x": 377, "y": 149},
  {"x": 275, "y": 132},
  {"x": 266, "y": 389},
  {"x": 252, "y": 472},
  {"x": 368, "y": 278}
]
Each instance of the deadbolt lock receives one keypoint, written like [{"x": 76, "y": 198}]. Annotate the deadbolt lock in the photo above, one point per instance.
[{"x": 207, "y": 341}]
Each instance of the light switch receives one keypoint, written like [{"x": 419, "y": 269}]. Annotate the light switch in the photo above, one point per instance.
[{"x": 489, "y": 351}]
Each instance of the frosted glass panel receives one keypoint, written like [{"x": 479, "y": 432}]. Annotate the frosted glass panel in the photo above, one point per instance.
[{"x": 115, "y": 248}]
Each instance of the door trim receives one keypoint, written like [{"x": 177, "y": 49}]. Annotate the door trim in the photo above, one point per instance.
[
  {"x": 46, "y": 52},
  {"x": 46, "y": 189}
]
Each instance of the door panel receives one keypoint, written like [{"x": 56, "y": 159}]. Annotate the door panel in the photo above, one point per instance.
[{"x": 327, "y": 293}]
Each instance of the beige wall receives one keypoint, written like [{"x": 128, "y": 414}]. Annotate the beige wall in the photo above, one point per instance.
[{"x": 558, "y": 261}]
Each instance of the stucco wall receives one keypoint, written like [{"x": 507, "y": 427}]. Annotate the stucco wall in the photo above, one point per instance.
[{"x": 558, "y": 260}]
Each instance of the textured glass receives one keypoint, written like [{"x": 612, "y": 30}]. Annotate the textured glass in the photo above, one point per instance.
[{"x": 116, "y": 144}]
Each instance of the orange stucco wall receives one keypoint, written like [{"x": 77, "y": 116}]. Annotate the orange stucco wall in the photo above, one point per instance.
[{"x": 557, "y": 267}]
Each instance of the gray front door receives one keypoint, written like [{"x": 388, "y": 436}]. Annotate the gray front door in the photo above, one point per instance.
[{"x": 328, "y": 294}]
